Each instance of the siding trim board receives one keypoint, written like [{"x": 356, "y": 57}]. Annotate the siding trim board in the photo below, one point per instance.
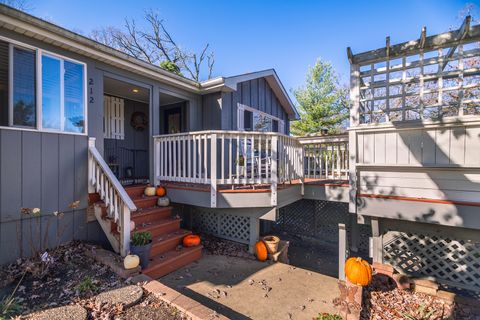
[{"x": 438, "y": 201}]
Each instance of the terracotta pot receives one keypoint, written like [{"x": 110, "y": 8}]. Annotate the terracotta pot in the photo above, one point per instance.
[{"x": 271, "y": 242}]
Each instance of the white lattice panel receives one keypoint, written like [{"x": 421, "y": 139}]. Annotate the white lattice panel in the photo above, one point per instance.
[
  {"x": 227, "y": 226},
  {"x": 452, "y": 262}
]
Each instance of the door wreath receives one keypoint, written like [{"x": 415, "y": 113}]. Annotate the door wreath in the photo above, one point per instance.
[{"x": 139, "y": 121}]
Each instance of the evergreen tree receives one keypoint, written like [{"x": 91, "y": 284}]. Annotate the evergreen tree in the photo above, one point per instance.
[{"x": 322, "y": 102}]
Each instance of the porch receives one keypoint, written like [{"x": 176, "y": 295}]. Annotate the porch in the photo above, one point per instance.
[{"x": 238, "y": 169}]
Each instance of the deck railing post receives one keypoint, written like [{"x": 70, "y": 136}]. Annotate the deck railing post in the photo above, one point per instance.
[
  {"x": 274, "y": 176},
  {"x": 213, "y": 170},
  {"x": 342, "y": 250},
  {"x": 156, "y": 161}
]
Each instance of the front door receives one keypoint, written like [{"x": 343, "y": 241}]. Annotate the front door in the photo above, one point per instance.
[{"x": 173, "y": 121}]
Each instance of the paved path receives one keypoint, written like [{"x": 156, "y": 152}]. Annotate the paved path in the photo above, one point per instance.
[{"x": 247, "y": 289}]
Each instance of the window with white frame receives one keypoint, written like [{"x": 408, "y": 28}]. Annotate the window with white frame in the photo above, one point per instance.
[
  {"x": 250, "y": 119},
  {"x": 40, "y": 90}
]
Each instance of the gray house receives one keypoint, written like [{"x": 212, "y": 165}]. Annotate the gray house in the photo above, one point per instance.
[
  {"x": 80, "y": 118},
  {"x": 84, "y": 128}
]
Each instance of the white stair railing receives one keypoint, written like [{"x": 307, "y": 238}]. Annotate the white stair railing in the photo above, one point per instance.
[{"x": 118, "y": 203}]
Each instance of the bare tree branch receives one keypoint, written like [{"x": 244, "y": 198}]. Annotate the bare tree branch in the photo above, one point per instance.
[{"x": 156, "y": 45}]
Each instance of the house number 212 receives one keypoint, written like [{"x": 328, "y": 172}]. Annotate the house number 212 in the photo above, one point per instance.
[{"x": 90, "y": 84}]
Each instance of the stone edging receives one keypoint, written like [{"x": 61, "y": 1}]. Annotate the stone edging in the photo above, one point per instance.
[{"x": 192, "y": 308}]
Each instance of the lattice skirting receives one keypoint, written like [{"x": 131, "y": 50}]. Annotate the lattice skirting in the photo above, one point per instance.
[
  {"x": 222, "y": 225},
  {"x": 452, "y": 261},
  {"x": 319, "y": 220}
]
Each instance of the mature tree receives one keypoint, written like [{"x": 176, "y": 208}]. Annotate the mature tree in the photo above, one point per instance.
[
  {"x": 322, "y": 102},
  {"x": 156, "y": 45},
  {"x": 22, "y": 5}
]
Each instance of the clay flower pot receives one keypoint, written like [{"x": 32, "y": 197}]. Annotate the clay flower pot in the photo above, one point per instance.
[{"x": 271, "y": 242}]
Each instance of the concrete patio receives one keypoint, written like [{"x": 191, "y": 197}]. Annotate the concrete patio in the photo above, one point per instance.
[{"x": 247, "y": 289}]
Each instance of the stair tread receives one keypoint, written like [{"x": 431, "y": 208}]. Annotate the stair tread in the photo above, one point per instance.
[
  {"x": 156, "y": 223},
  {"x": 149, "y": 210},
  {"x": 178, "y": 234},
  {"x": 136, "y": 186},
  {"x": 164, "y": 258}
]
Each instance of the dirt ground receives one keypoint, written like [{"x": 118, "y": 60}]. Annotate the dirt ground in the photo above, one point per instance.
[
  {"x": 246, "y": 289},
  {"x": 69, "y": 277}
]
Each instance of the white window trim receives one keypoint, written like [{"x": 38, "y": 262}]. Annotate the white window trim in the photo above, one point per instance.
[
  {"x": 38, "y": 90},
  {"x": 241, "y": 118}
]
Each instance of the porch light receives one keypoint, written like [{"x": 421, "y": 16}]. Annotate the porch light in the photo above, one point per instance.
[{"x": 135, "y": 90}]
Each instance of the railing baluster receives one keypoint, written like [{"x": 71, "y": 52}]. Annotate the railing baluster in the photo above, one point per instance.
[{"x": 112, "y": 193}]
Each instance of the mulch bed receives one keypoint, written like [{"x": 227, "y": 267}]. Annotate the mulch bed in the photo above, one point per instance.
[
  {"x": 217, "y": 246},
  {"x": 382, "y": 300},
  {"x": 66, "y": 276}
]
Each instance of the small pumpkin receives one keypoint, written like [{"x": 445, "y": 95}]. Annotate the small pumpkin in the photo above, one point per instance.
[
  {"x": 161, "y": 191},
  {"x": 163, "y": 202},
  {"x": 131, "y": 261},
  {"x": 358, "y": 271},
  {"x": 261, "y": 251},
  {"x": 150, "y": 191},
  {"x": 191, "y": 240}
]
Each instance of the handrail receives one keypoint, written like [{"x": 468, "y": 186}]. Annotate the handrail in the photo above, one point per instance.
[
  {"x": 118, "y": 203},
  {"x": 112, "y": 178}
]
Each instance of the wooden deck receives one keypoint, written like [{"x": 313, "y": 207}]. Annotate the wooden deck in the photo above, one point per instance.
[{"x": 257, "y": 195}]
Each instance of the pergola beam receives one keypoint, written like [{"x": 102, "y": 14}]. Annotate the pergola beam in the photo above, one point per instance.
[
  {"x": 466, "y": 33},
  {"x": 461, "y": 34},
  {"x": 423, "y": 37}
]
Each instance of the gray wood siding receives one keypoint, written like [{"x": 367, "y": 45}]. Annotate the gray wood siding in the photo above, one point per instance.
[
  {"x": 436, "y": 162},
  {"x": 46, "y": 171},
  {"x": 212, "y": 115},
  {"x": 256, "y": 94},
  {"x": 456, "y": 146}
]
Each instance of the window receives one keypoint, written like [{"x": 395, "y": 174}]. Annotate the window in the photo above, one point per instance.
[
  {"x": 253, "y": 120},
  {"x": 113, "y": 118},
  {"x": 4, "y": 83},
  {"x": 74, "y": 96},
  {"x": 57, "y": 103},
  {"x": 51, "y": 93},
  {"x": 62, "y": 95},
  {"x": 23, "y": 95}
]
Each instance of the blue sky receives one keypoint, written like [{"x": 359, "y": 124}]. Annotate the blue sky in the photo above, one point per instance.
[{"x": 285, "y": 35}]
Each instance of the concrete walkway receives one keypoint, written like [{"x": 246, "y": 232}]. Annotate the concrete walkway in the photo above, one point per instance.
[{"x": 247, "y": 289}]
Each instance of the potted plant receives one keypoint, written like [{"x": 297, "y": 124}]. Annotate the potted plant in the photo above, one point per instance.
[{"x": 141, "y": 243}]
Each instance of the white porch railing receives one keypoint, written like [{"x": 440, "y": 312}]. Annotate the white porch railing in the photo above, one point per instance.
[
  {"x": 119, "y": 205},
  {"x": 326, "y": 157},
  {"x": 228, "y": 157},
  {"x": 240, "y": 158}
]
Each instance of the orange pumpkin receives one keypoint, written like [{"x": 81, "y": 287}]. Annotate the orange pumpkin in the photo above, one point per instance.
[
  {"x": 191, "y": 240},
  {"x": 261, "y": 251},
  {"x": 161, "y": 191},
  {"x": 358, "y": 271}
]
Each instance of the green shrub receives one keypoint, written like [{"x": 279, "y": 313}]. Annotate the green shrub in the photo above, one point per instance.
[
  {"x": 9, "y": 307},
  {"x": 87, "y": 285},
  {"x": 141, "y": 238}
]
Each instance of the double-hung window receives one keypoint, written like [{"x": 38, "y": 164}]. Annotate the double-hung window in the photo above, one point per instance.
[{"x": 39, "y": 90}]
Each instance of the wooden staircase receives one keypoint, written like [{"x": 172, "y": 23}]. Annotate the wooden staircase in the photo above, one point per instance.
[{"x": 167, "y": 253}]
